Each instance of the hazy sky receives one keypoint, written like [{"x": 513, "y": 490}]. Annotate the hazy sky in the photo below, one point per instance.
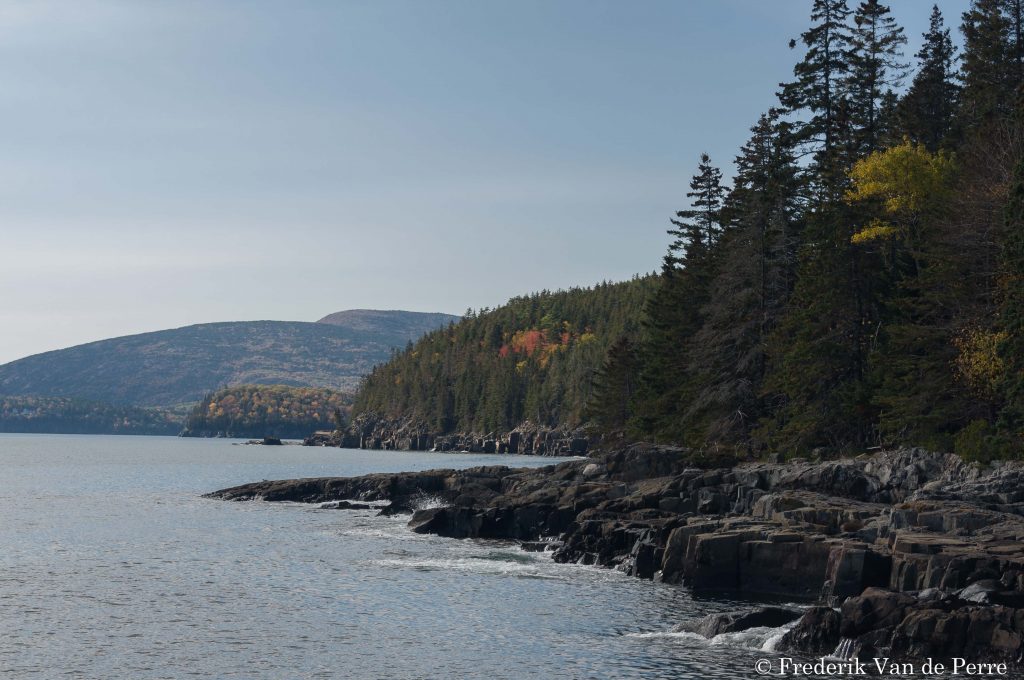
[{"x": 169, "y": 163}]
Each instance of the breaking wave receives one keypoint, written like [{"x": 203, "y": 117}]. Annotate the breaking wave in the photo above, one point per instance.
[{"x": 762, "y": 639}]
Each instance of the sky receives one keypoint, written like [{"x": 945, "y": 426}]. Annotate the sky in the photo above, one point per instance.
[{"x": 189, "y": 161}]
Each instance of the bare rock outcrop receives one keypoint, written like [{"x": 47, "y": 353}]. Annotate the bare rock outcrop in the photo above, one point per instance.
[{"x": 922, "y": 553}]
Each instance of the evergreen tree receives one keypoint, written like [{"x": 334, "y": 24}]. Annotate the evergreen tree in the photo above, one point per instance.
[
  {"x": 987, "y": 64},
  {"x": 927, "y": 110},
  {"x": 818, "y": 88},
  {"x": 875, "y": 69},
  {"x": 749, "y": 292},
  {"x": 1015, "y": 12},
  {"x": 531, "y": 359},
  {"x": 697, "y": 230},
  {"x": 673, "y": 314},
  {"x": 610, "y": 407},
  {"x": 815, "y": 390},
  {"x": 815, "y": 387},
  {"x": 904, "y": 191}
]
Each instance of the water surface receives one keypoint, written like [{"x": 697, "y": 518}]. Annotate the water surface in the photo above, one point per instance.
[{"x": 113, "y": 566}]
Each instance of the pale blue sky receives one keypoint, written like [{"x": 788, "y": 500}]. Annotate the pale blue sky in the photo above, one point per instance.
[{"x": 168, "y": 163}]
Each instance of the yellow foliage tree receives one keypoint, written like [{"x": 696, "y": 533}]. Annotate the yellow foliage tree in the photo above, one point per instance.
[{"x": 907, "y": 180}]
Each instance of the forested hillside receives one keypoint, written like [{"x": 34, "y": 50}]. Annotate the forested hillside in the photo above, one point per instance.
[
  {"x": 267, "y": 411},
  {"x": 861, "y": 280},
  {"x": 61, "y": 415},
  {"x": 533, "y": 358},
  {"x": 858, "y": 282}
]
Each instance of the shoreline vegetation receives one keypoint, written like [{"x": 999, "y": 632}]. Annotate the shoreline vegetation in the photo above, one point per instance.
[
  {"x": 275, "y": 411},
  {"x": 64, "y": 415},
  {"x": 858, "y": 283}
]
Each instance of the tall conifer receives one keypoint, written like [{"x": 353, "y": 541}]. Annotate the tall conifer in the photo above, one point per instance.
[
  {"x": 987, "y": 66},
  {"x": 673, "y": 314},
  {"x": 875, "y": 69},
  {"x": 817, "y": 92},
  {"x": 927, "y": 110}
]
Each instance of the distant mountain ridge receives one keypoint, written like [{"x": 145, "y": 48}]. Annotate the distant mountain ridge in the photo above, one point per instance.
[
  {"x": 410, "y": 324},
  {"x": 169, "y": 367}
]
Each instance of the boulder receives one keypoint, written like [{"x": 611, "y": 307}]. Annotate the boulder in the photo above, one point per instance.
[
  {"x": 873, "y": 609},
  {"x": 815, "y": 634}
]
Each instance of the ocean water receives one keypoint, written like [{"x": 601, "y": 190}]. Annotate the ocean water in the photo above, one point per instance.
[{"x": 113, "y": 566}]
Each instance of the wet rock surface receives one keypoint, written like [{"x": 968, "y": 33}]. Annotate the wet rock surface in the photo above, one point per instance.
[{"x": 908, "y": 553}]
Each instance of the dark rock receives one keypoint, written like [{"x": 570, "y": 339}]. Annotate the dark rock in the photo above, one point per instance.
[
  {"x": 874, "y": 608},
  {"x": 925, "y": 553},
  {"x": 979, "y": 633},
  {"x": 536, "y": 546},
  {"x": 345, "y": 505},
  {"x": 816, "y": 633}
]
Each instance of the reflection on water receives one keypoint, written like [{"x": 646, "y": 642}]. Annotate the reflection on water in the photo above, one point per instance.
[{"x": 111, "y": 565}]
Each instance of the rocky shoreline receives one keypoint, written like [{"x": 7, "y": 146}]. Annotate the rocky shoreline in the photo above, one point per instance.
[
  {"x": 369, "y": 431},
  {"x": 905, "y": 554}
]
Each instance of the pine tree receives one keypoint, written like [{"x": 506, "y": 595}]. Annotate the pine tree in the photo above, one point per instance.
[
  {"x": 987, "y": 64},
  {"x": 1015, "y": 12},
  {"x": 818, "y": 87},
  {"x": 927, "y": 111},
  {"x": 815, "y": 390},
  {"x": 698, "y": 229},
  {"x": 615, "y": 384},
  {"x": 673, "y": 314},
  {"x": 875, "y": 69},
  {"x": 749, "y": 291}
]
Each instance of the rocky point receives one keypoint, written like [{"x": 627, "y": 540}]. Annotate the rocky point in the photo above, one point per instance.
[{"x": 907, "y": 553}]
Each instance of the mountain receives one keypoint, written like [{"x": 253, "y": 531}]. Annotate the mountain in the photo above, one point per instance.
[
  {"x": 393, "y": 323},
  {"x": 180, "y": 365}
]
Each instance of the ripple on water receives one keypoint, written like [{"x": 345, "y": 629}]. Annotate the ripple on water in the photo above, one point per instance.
[{"x": 124, "y": 571}]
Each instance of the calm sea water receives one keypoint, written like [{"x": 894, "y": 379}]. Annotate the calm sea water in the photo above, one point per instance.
[{"x": 112, "y": 566}]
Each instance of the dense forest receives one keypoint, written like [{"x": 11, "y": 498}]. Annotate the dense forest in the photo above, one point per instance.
[
  {"x": 532, "y": 359},
  {"x": 267, "y": 410},
  {"x": 858, "y": 283},
  {"x": 861, "y": 281},
  {"x": 63, "y": 415}
]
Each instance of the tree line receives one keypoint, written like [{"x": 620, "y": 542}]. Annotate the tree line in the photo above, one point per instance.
[
  {"x": 65, "y": 415},
  {"x": 532, "y": 359},
  {"x": 267, "y": 411},
  {"x": 860, "y": 281}
]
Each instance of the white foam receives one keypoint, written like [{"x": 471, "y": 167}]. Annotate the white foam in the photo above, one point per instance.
[
  {"x": 426, "y": 502},
  {"x": 761, "y": 638},
  {"x": 682, "y": 635},
  {"x": 472, "y": 565}
]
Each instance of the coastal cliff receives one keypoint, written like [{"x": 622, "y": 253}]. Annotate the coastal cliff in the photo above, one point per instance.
[{"x": 921, "y": 552}]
